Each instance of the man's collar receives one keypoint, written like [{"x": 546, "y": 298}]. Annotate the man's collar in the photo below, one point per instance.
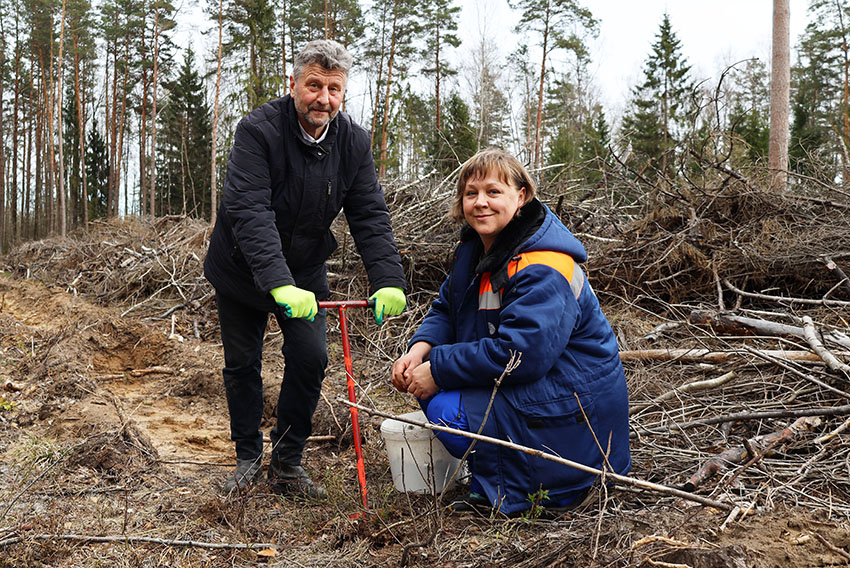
[{"x": 309, "y": 139}]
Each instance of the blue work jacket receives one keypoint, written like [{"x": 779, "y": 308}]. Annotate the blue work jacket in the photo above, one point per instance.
[{"x": 529, "y": 296}]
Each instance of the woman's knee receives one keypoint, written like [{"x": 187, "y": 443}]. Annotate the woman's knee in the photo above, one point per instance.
[{"x": 446, "y": 409}]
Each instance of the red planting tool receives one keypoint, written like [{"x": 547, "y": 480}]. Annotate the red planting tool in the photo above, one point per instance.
[{"x": 349, "y": 377}]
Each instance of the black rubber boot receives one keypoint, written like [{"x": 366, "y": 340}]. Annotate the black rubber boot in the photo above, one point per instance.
[
  {"x": 293, "y": 480},
  {"x": 246, "y": 473}
]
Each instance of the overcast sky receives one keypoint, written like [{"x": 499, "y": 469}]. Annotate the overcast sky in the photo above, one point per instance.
[{"x": 713, "y": 35}]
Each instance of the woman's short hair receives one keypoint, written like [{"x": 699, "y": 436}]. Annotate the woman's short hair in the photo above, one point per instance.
[
  {"x": 506, "y": 167},
  {"x": 327, "y": 53}
]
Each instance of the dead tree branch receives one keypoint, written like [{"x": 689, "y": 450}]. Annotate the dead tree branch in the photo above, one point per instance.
[
  {"x": 809, "y": 301},
  {"x": 625, "y": 480},
  {"x": 831, "y": 361},
  {"x": 757, "y": 447}
]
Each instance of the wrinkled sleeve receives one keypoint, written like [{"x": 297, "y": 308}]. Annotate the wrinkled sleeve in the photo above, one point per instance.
[
  {"x": 437, "y": 328},
  {"x": 369, "y": 223},
  {"x": 539, "y": 313},
  {"x": 247, "y": 199}
]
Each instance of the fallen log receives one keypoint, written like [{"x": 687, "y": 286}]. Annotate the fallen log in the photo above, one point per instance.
[{"x": 754, "y": 448}]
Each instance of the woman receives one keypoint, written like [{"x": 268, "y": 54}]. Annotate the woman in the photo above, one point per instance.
[{"x": 516, "y": 287}]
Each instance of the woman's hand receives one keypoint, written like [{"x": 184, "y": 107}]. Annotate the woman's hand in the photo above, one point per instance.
[
  {"x": 403, "y": 369},
  {"x": 421, "y": 384}
]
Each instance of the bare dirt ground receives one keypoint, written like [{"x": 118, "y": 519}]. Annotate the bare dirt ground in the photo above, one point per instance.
[{"x": 114, "y": 441}]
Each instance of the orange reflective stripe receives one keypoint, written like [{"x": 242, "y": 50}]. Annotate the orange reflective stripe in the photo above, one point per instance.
[
  {"x": 561, "y": 262},
  {"x": 487, "y": 298},
  {"x": 485, "y": 285}
]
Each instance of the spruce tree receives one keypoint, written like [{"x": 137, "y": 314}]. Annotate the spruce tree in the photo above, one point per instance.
[
  {"x": 457, "y": 141},
  {"x": 185, "y": 145},
  {"x": 656, "y": 118},
  {"x": 97, "y": 173}
]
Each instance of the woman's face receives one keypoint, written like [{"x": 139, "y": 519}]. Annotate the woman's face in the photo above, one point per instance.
[{"x": 489, "y": 204}]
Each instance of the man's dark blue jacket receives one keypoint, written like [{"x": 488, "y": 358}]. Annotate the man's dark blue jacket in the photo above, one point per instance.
[
  {"x": 529, "y": 296},
  {"x": 281, "y": 194}
]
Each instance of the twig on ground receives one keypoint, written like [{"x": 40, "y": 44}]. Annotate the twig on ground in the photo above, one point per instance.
[
  {"x": 791, "y": 369},
  {"x": 823, "y": 302},
  {"x": 144, "y": 540},
  {"x": 696, "y": 385}
]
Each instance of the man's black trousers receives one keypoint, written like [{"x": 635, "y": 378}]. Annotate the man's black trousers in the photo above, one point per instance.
[{"x": 305, "y": 358}]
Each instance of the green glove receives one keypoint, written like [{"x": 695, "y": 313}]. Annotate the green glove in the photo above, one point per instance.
[
  {"x": 296, "y": 303},
  {"x": 389, "y": 301}
]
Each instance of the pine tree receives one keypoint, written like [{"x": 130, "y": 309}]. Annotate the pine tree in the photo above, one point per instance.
[
  {"x": 82, "y": 53},
  {"x": 440, "y": 30},
  {"x": 560, "y": 24},
  {"x": 250, "y": 50},
  {"x": 656, "y": 118}
]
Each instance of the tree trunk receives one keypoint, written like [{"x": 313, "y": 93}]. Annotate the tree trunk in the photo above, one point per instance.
[
  {"x": 213, "y": 190},
  {"x": 30, "y": 118},
  {"x": 845, "y": 97},
  {"x": 122, "y": 122},
  {"x": 60, "y": 189},
  {"x": 539, "y": 122},
  {"x": 81, "y": 124},
  {"x": 378, "y": 81},
  {"x": 437, "y": 90},
  {"x": 382, "y": 169},
  {"x": 112, "y": 133},
  {"x": 38, "y": 155},
  {"x": 2, "y": 142},
  {"x": 780, "y": 97},
  {"x": 13, "y": 208},
  {"x": 282, "y": 48},
  {"x": 152, "y": 190},
  {"x": 45, "y": 155},
  {"x": 50, "y": 168}
]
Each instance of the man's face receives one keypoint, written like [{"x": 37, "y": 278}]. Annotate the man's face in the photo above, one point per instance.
[{"x": 317, "y": 94}]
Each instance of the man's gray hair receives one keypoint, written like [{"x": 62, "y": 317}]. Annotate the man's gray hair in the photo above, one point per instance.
[{"x": 327, "y": 53}]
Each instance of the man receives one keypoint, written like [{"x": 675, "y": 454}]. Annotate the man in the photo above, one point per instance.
[{"x": 295, "y": 163}]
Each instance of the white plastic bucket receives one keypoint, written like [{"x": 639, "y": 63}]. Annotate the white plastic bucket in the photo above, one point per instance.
[{"x": 418, "y": 460}]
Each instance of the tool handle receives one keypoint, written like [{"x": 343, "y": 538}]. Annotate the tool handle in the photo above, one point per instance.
[{"x": 347, "y": 304}]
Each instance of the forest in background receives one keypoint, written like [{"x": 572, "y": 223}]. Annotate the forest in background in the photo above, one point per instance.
[{"x": 92, "y": 92}]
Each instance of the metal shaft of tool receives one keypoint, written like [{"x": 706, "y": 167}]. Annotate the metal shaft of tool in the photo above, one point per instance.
[{"x": 349, "y": 378}]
